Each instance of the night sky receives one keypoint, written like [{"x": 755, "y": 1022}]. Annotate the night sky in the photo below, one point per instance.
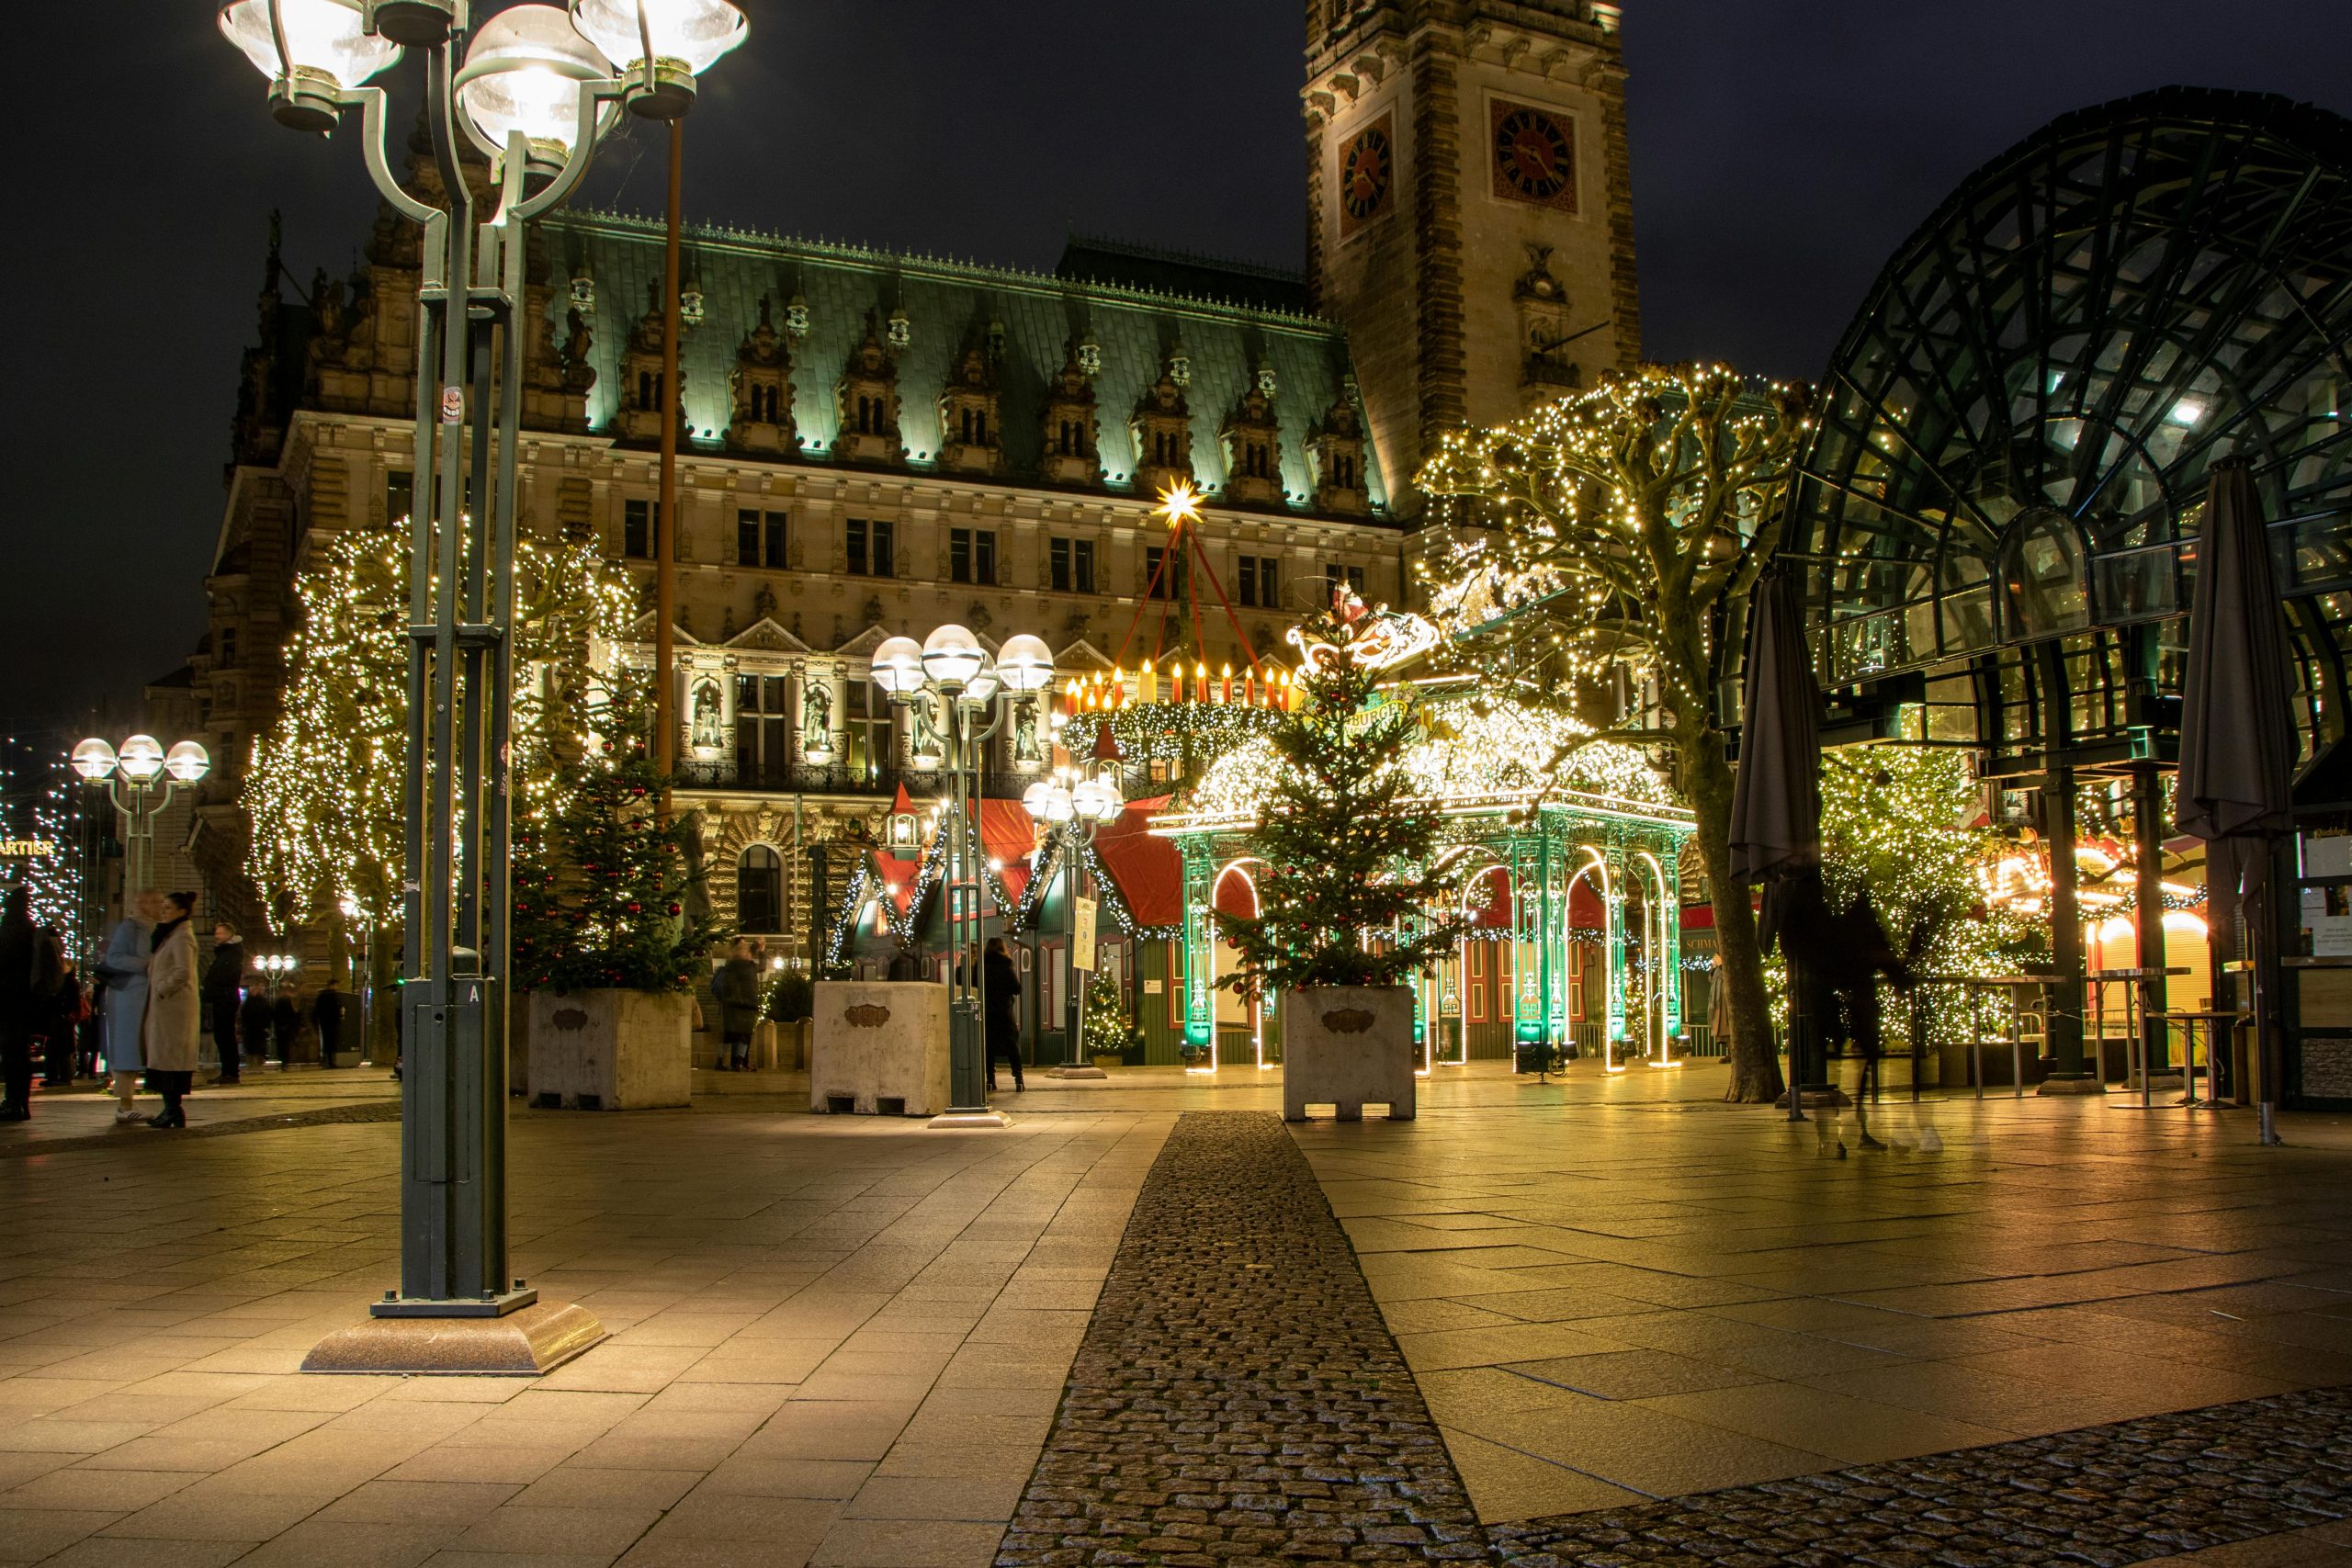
[{"x": 1781, "y": 150}]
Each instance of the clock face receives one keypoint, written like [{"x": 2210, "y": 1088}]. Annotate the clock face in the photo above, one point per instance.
[
  {"x": 1535, "y": 158},
  {"x": 1367, "y": 173}
]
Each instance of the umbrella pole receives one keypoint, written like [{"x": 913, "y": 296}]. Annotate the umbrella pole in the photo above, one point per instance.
[{"x": 2261, "y": 943}]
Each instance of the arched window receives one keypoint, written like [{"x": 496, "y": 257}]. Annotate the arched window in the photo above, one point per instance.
[
  {"x": 2045, "y": 576},
  {"x": 759, "y": 891}
]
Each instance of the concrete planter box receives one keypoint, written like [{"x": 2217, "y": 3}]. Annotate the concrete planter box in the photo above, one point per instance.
[
  {"x": 1348, "y": 1046},
  {"x": 611, "y": 1050},
  {"x": 880, "y": 1048}
]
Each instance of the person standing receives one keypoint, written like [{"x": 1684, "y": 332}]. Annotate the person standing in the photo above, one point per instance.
[
  {"x": 1000, "y": 984},
  {"x": 736, "y": 988},
  {"x": 253, "y": 1025},
  {"x": 19, "y": 948},
  {"x": 327, "y": 1017},
  {"x": 285, "y": 1022},
  {"x": 224, "y": 975},
  {"x": 56, "y": 1006},
  {"x": 123, "y": 972},
  {"x": 175, "y": 1010}
]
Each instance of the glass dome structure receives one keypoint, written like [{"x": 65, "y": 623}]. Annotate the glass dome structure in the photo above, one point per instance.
[{"x": 2009, "y": 470}]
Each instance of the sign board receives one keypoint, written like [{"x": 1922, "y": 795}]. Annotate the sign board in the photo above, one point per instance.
[
  {"x": 1081, "y": 946},
  {"x": 453, "y": 405},
  {"x": 26, "y": 849}
]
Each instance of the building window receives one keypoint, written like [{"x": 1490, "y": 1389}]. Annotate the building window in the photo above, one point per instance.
[
  {"x": 638, "y": 521},
  {"x": 766, "y": 402},
  {"x": 1255, "y": 461},
  {"x": 759, "y": 891},
  {"x": 1167, "y": 583},
  {"x": 400, "y": 494},
  {"x": 867, "y": 726},
  {"x": 228, "y": 655},
  {"x": 1343, "y": 472},
  {"x": 971, "y": 555},
  {"x": 649, "y": 389},
  {"x": 1072, "y": 565},
  {"x": 1338, "y": 575},
  {"x": 763, "y": 730},
  {"x": 760, "y": 539},
  {"x": 975, "y": 427},
  {"x": 1070, "y": 441},
  {"x": 868, "y": 544},
  {"x": 1258, "y": 586}
]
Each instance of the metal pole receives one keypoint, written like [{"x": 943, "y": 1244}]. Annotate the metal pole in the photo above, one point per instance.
[{"x": 666, "y": 520}]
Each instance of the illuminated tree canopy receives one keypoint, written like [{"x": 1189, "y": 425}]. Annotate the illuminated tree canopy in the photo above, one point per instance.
[{"x": 323, "y": 787}]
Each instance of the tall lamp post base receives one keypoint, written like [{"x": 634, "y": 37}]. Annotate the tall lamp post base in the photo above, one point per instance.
[
  {"x": 525, "y": 1342},
  {"x": 952, "y": 1120}
]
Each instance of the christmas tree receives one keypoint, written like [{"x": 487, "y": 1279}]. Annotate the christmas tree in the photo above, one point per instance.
[
  {"x": 1347, "y": 841},
  {"x": 1109, "y": 1031},
  {"x": 601, "y": 875}
]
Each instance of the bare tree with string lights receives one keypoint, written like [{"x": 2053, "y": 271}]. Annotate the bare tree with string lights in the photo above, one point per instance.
[{"x": 1596, "y": 548}]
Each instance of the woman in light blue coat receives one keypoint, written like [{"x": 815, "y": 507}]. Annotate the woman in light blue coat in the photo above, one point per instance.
[{"x": 123, "y": 970}]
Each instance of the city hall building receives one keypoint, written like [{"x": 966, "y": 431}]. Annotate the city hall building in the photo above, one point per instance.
[{"x": 874, "y": 444}]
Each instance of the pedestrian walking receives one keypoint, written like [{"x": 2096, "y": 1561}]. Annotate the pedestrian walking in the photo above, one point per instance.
[
  {"x": 19, "y": 948},
  {"x": 1000, "y": 985},
  {"x": 224, "y": 975},
  {"x": 175, "y": 1010},
  {"x": 327, "y": 1017},
  {"x": 286, "y": 1024},
  {"x": 253, "y": 1026},
  {"x": 123, "y": 972},
  {"x": 737, "y": 988}
]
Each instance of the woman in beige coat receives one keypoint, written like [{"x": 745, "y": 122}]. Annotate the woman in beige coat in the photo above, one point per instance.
[{"x": 174, "y": 1012}]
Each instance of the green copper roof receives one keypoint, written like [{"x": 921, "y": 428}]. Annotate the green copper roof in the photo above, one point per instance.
[{"x": 949, "y": 304}]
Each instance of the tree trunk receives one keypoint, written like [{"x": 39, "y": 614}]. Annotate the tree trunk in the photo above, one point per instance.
[{"x": 1707, "y": 783}]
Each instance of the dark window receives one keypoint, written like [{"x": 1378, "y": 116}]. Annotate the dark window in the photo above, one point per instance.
[
  {"x": 1057, "y": 566},
  {"x": 228, "y": 654},
  {"x": 638, "y": 519},
  {"x": 884, "y": 556},
  {"x": 1072, "y": 565},
  {"x": 400, "y": 494},
  {"x": 1258, "y": 586},
  {"x": 1167, "y": 583},
  {"x": 971, "y": 555},
  {"x": 763, "y": 730},
  {"x": 760, "y": 539},
  {"x": 778, "y": 535},
  {"x": 649, "y": 389},
  {"x": 867, "y": 729},
  {"x": 747, "y": 538},
  {"x": 759, "y": 891},
  {"x": 1082, "y": 560},
  {"x": 1338, "y": 575}
]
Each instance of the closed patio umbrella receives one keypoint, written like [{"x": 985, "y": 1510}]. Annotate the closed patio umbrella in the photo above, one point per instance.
[
  {"x": 1776, "y": 795},
  {"x": 2237, "y": 732}
]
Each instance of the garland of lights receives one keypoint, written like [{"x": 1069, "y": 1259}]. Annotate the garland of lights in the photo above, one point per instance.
[
  {"x": 323, "y": 790},
  {"x": 1168, "y": 731},
  {"x": 54, "y": 880}
]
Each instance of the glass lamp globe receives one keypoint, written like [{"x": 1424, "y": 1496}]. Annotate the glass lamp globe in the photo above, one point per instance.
[
  {"x": 983, "y": 684},
  {"x": 93, "y": 759},
  {"x": 1098, "y": 800},
  {"x": 523, "y": 74},
  {"x": 1034, "y": 800},
  {"x": 898, "y": 666},
  {"x": 1060, "y": 806},
  {"x": 328, "y": 51},
  {"x": 952, "y": 656},
  {"x": 188, "y": 763},
  {"x": 140, "y": 759},
  {"x": 687, "y": 37},
  {"x": 1025, "y": 663}
]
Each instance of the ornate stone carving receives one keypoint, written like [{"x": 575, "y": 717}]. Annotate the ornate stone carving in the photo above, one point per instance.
[
  {"x": 1334, "y": 446},
  {"x": 762, "y": 420},
  {"x": 1253, "y": 455},
  {"x": 970, "y": 436},
  {"x": 641, "y": 399},
  {"x": 1071, "y": 456},
  {"x": 1545, "y": 341},
  {"x": 869, "y": 399},
  {"x": 1163, "y": 430}
]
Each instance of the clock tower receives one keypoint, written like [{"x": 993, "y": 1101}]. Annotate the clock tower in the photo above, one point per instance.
[{"x": 1470, "y": 207}]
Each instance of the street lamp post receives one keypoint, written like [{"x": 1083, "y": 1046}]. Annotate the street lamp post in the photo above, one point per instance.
[
  {"x": 1073, "y": 813},
  {"x": 533, "y": 87},
  {"x": 957, "y": 697},
  {"x": 132, "y": 773}
]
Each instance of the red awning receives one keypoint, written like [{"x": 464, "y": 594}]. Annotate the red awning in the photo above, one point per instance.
[
  {"x": 1149, "y": 872},
  {"x": 897, "y": 874},
  {"x": 1487, "y": 900},
  {"x": 1698, "y": 917},
  {"x": 1585, "y": 912}
]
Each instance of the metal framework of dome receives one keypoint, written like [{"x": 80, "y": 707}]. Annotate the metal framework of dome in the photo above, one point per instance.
[{"x": 2007, "y": 476}]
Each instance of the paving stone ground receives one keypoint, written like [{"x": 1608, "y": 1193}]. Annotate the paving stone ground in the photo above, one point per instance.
[
  {"x": 2132, "y": 1491},
  {"x": 1237, "y": 1399}
]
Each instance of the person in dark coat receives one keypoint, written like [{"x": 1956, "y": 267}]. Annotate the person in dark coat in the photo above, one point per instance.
[
  {"x": 327, "y": 1017},
  {"x": 736, "y": 988},
  {"x": 1844, "y": 953},
  {"x": 286, "y": 1024},
  {"x": 253, "y": 1025},
  {"x": 224, "y": 976},
  {"x": 18, "y": 942},
  {"x": 56, "y": 1006},
  {"x": 1000, "y": 984}
]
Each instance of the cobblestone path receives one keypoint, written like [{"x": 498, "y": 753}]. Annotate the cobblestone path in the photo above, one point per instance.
[
  {"x": 1238, "y": 1399},
  {"x": 2128, "y": 1492}
]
